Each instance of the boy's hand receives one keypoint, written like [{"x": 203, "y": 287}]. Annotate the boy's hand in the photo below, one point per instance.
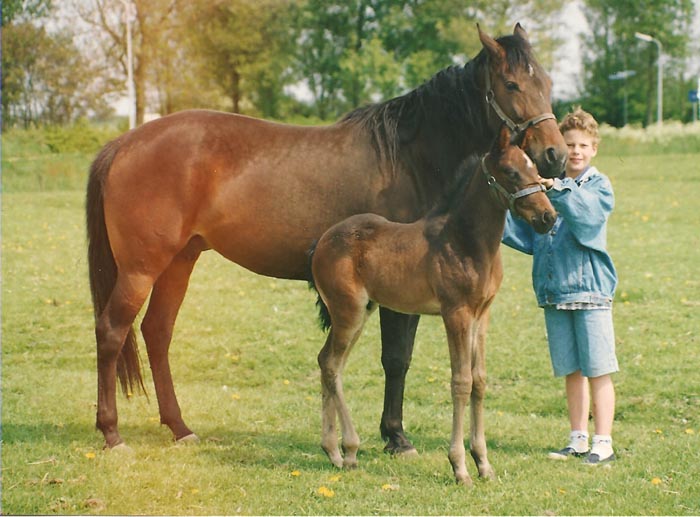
[{"x": 546, "y": 182}]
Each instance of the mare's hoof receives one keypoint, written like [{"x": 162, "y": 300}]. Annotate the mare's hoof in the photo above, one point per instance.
[
  {"x": 405, "y": 450},
  {"x": 188, "y": 439}
]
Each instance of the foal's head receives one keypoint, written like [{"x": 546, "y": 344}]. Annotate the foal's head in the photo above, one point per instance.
[{"x": 515, "y": 177}]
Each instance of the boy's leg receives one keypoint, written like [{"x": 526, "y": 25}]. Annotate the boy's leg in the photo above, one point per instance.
[
  {"x": 563, "y": 352},
  {"x": 578, "y": 400},
  {"x": 603, "y": 393}
]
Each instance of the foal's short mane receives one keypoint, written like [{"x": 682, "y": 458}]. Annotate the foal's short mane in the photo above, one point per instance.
[{"x": 450, "y": 99}]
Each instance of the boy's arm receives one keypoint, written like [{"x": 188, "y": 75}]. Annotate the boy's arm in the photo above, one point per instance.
[
  {"x": 585, "y": 208},
  {"x": 518, "y": 234}
]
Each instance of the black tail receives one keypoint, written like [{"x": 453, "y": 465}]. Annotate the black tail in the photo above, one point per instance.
[
  {"x": 103, "y": 269},
  {"x": 324, "y": 317}
]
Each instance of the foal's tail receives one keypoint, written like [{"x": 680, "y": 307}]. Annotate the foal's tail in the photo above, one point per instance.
[
  {"x": 324, "y": 317},
  {"x": 103, "y": 268}
]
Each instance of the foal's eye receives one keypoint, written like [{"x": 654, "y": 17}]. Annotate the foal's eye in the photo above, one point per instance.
[{"x": 512, "y": 86}]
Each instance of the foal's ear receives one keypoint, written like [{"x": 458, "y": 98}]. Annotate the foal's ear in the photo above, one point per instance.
[
  {"x": 519, "y": 31},
  {"x": 495, "y": 50},
  {"x": 504, "y": 138}
]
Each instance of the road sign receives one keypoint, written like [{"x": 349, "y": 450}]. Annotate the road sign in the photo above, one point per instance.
[{"x": 693, "y": 95}]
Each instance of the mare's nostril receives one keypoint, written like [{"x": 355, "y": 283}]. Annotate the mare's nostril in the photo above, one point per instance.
[{"x": 551, "y": 155}]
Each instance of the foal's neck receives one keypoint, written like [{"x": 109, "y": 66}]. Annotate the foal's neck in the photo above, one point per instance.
[{"x": 481, "y": 213}]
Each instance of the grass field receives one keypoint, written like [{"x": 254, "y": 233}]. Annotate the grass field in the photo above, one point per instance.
[{"x": 244, "y": 361}]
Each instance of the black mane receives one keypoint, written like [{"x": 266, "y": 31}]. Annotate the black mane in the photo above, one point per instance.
[{"x": 450, "y": 104}]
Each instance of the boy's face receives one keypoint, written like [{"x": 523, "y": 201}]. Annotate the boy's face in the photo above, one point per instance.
[{"x": 582, "y": 148}]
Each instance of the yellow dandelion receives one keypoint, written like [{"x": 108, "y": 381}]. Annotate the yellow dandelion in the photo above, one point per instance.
[
  {"x": 235, "y": 396},
  {"x": 90, "y": 455},
  {"x": 658, "y": 431},
  {"x": 334, "y": 479},
  {"x": 387, "y": 487},
  {"x": 296, "y": 473},
  {"x": 689, "y": 431},
  {"x": 431, "y": 379},
  {"x": 562, "y": 491},
  {"x": 645, "y": 218},
  {"x": 194, "y": 491},
  {"x": 326, "y": 492},
  {"x": 286, "y": 382},
  {"x": 656, "y": 481}
]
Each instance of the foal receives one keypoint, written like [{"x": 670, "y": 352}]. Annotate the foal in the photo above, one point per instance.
[{"x": 446, "y": 263}]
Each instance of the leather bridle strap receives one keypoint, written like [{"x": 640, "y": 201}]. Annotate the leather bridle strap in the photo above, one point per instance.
[
  {"x": 510, "y": 197},
  {"x": 517, "y": 128}
]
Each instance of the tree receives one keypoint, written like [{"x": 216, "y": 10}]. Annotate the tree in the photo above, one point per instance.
[
  {"x": 45, "y": 79},
  {"x": 245, "y": 46},
  {"x": 612, "y": 47},
  {"x": 152, "y": 19}
]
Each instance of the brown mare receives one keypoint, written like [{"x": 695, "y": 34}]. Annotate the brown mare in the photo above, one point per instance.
[
  {"x": 259, "y": 193},
  {"x": 447, "y": 263}
]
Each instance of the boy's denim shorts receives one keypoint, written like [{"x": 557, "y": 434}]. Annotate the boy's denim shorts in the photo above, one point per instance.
[{"x": 581, "y": 340}]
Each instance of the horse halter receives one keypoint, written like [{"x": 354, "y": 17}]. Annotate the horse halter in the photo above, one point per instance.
[
  {"x": 510, "y": 197},
  {"x": 516, "y": 128}
]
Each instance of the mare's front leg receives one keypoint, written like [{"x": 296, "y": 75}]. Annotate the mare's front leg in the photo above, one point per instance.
[
  {"x": 477, "y": 443},
  {"x": 460, "y": 340},
  {"x": 398, "y": 336}
]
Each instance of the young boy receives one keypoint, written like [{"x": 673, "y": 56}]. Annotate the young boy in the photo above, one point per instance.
[{"x": 574, "y": 281}]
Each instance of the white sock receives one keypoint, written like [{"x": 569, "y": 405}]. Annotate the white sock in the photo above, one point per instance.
[
  {"x": 579, "y": 441},
  {"x": 602, "y": 445}
]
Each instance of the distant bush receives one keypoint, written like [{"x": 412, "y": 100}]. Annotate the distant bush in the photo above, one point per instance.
[
  {"x": 81, "y": 137},
  {"x": 672, "y": 137}
]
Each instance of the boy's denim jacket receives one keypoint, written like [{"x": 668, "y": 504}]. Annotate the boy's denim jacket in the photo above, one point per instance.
[{"x": 570, "y": 262}]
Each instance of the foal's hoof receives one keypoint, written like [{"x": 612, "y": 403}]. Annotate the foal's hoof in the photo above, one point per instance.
[
  {"x": 121, "y": 448},
  {"x": 188, "y": 439},
  {"x": 487, "y": 474}
]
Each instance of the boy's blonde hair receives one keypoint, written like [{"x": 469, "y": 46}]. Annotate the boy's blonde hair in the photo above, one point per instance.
[{"x": 581, "y": 120}]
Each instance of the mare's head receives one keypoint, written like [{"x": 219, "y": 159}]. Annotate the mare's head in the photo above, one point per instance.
[
  {"x": 515, "y": 177},
  {"x": 518, "y": 92}
]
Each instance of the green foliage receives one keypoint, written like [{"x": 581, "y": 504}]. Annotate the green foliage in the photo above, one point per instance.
[
  {"x": 244, "y": 363},
  {"x": 51, "y": 157},
  {"x": 612, "y": 47}
]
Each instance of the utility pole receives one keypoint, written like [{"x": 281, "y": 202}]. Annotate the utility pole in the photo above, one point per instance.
[
  {"x": 659, "y": 76},
  {"x": 129, "y": 16}
]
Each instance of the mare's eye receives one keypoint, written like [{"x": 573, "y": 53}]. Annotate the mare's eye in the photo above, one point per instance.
[{"x": 512, "y": 86}]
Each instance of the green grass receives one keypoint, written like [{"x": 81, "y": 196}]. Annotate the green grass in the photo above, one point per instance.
[{"x": 244, "y": 363}]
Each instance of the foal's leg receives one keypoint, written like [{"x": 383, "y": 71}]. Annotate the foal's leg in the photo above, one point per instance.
[
  {"x": 458, "y": 325},
  {"x": 345, "y": 331},
  {"x": 111, "y": 329},
  {"x": 398, "y": 335},
  {"x": 477, "y": 443},
  {"x": 157, "y": 328}
]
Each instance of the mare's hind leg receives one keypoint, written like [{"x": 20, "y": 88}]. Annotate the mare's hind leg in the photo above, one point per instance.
[
  {"x": 157, "y": 328},
  {"x": 398, "y": 335},
  {"x": 113, "y": 325}
]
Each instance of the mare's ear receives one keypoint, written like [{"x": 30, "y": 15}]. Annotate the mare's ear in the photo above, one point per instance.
[
  {"x": 519, "y": 31},
  {"x": 495, "y": 50}
]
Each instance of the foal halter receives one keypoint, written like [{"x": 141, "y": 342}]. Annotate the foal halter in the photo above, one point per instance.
[
  {"x": 516, "y": 128},
  {"x": 510, "y": 197}
]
